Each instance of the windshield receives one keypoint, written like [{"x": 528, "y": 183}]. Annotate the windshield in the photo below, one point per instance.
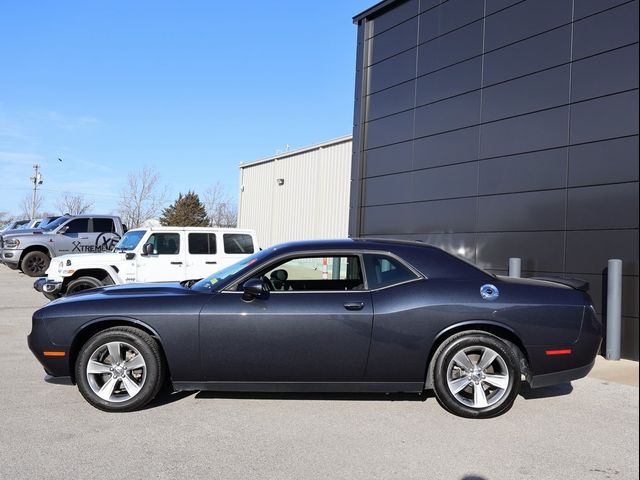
[
  {"x": 130, "y": 240},
  {"x": 55, "y": 224},
  {"x": 207, "y": 284}
]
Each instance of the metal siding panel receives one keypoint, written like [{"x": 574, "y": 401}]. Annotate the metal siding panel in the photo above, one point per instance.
[{"x": 312, "y": 203}]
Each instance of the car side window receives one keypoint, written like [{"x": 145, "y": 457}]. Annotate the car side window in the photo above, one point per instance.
[
  {"x": 79, "y": 225},
  {"x": 165, "y": 243},
  {"x": 238, "y": 243},
  {"x": 202, "y": 243},
  {"x": 337, "y": 273},
  {"x": 383, "y": 271},
  {"x": 103, "y": 225}
]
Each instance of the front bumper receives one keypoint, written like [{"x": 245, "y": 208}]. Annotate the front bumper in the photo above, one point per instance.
[
  {"x": 44, "y": 285},
  {"x": 11, "y": 256},
  {"x": 40, "y": 344}
]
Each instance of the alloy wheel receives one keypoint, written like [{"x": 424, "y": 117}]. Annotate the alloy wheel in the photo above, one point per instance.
[
  {"x": 478, "y": 377},
  {"x": 116, "y": 371}
]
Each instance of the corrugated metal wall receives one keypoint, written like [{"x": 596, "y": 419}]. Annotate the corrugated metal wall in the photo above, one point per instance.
[
  {"x": 313, "y": 201},
  {"x": 499, "y": 129}
]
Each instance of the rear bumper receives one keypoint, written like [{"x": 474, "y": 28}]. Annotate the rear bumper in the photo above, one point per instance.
[
  {"x": 564, "y": 376},
  {"x": 547, "y": 368}
]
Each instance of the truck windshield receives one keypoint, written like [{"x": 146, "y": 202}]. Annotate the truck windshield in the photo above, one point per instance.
[
  {"x": 55, "y": 224},
  {"x": 130, "y": 240},
  {"x": 207, "y": 284}
]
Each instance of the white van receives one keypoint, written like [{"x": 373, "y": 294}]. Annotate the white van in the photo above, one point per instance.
[{"x": 157, "y": 254}]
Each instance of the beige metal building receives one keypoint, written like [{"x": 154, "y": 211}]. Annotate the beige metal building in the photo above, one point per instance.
[{"x": 297, "y": 195}]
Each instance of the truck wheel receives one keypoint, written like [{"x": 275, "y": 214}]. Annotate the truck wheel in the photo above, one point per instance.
[
  {"x": 35, "y": 263},
  {"x": 82, "y": 283}
]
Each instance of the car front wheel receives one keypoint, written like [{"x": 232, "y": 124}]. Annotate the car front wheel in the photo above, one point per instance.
[
  {"x": 477, "y": 376},
  {"x": 119, "y": 369}
]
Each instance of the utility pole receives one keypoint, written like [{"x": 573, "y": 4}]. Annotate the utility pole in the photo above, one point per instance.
[{"x": 36, "y": 180}]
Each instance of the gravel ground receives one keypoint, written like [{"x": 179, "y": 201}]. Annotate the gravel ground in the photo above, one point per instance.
[{"x": 586, "y": 430}]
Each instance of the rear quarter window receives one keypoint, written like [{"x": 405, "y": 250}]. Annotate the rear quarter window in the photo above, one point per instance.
[
  {"x": 383, "y": 271},
  {"x": 238, "y": 243}
]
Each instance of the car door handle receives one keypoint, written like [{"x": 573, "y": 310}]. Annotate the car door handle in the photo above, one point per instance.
[
  {"x": 83, "y": 238},
  {"x": 176, "y": 263},
  {"x": 354, "y": 305},
  {"x": 210, "y": 263}
]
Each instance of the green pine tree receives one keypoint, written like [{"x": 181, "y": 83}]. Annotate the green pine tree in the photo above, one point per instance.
[{"x": 186, "y": 211}]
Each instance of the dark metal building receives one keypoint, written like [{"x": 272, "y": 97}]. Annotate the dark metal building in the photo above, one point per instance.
[{"x": 502, "y": 128}]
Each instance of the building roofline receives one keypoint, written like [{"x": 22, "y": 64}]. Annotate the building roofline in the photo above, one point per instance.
[
  {"x": 370, "y": 11},
  {"x": 310, "y": 148}
]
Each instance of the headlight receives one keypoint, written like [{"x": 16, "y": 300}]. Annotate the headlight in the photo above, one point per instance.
[{"x": 12, "y": 243}]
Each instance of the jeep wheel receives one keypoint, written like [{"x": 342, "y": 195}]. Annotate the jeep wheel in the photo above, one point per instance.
[
  {"x": 35, "y": 263},
  {"x": 82, "y": 283}
]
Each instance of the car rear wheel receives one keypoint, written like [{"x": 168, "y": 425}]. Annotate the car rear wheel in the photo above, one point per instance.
[
  {"x": 477, "y": 376},
  {"x": 35, "y": 263},
  {"x": 119, "y": 369},
  {"x": 82, "y": 283}
]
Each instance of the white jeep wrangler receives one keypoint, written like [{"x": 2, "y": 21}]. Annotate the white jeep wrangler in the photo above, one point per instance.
[{"x": 157, "y": 254}]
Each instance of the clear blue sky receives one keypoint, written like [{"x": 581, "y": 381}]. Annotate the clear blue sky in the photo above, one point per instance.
[{"x": 191, "y": 88}]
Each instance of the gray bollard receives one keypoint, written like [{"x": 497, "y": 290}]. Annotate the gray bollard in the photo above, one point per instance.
[
  {"x": 514, "y": 267},
  {"x": 614, "y": 309}
]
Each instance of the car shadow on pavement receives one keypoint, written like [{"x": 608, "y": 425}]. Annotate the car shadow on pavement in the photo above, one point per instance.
[
  {"x": 166, "y": 397},
  {"x": 363, "y": 397},
  {"x": 559, "y": 390}
]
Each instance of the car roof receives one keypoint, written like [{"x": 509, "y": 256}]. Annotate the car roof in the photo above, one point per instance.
[
  {"x": 194, "y": 229},
  {"x": 350, "y": 244}
]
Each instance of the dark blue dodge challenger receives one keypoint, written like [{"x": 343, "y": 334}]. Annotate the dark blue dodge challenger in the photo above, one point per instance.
[{"x": 324, "y": 316}]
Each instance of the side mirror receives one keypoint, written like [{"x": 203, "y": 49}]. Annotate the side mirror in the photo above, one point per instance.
[
  {"x": 147, "y": 249},
  {"x": 62, "y": 230},
  {"x": 129, "y": 256},
  {"x": 253, "y": 288}
]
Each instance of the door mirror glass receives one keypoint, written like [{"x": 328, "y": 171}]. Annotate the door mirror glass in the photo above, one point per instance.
[
  {"x": 147, "y": 249},
  {"x": 253, "y": 288}
]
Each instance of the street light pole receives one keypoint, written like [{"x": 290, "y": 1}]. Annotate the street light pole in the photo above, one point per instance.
[{"x": 36, "y": 180}]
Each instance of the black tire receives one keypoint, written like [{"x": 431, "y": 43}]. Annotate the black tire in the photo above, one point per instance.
[
  {"x": 82, "y": 283},
  {"x": 35, "y": 263},
  {"x": 150, "y": 381},
  {"x": 491, "y": 400}
]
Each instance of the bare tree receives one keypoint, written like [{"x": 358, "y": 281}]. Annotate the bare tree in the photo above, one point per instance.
[
  {"x": 73, "y": 204},
  {"x": 25, "y": 206},
  {"x": 5, "y": 217},
  {"x": 222, "y": 212},
  {"x": 142, "y": 198}
]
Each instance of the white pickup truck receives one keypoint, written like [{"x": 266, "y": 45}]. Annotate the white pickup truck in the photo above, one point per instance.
[{"x": 157, "y": 254}]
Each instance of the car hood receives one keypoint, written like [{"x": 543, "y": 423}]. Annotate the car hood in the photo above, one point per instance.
[
  {"x": 24, "y": 231},
  {"x": 106, "y": 258},
  {"x": 115, "y": 292}
]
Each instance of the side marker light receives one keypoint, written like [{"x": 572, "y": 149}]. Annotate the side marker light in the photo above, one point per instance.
[{"x": 564, "y": 351}]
